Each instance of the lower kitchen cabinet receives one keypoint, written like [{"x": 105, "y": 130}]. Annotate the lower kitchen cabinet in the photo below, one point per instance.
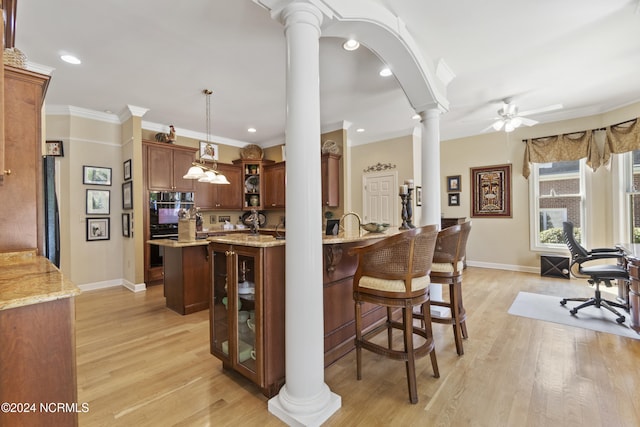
[
  {"x": 186, "y": 278},
  {"x": 247, "y": 312}
]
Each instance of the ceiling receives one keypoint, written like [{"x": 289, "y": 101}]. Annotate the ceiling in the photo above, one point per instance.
[{"x": 161, "y": 54}]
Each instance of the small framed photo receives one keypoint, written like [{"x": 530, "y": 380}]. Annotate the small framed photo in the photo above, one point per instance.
[
  {"x": 55, "y": 148},
  {"x": 418, "y": 195},
  {"x": 454, "y": 199},
  {"x": 95, "y": 175},
  {"x": 208, "y": 151},
  {"x": 127, "y": 195},
  {"x": 126, "y": 225},
  {"x": 453, "y": 184},
  {"x": 98, "y": 229},
  {"x": 127, "y": 170},
  {"x": 98, "y": 202},
  {"x": 333, "y": 227}
]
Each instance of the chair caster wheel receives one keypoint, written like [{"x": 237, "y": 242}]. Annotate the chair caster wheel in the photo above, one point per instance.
[
  {"x": 620, "y": 319},
  {"x": 563, "y": 302},
  {"x": 573, "y": 311}
]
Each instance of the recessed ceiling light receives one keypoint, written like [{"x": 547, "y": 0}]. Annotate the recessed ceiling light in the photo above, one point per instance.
[
  {"x": 71, "y": 59},
  {"x": 351, "y": 44},
  {"x": 251, "y": 130},
  {"x": 385, "y": 72},
  {"x": 360, "y": 130}
]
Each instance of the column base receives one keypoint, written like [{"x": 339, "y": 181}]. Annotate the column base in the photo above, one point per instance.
[{"x": 308, "y": 413}]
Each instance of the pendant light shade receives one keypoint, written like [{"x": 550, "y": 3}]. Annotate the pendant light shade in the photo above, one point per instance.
[{"x": 199, "y": 170}]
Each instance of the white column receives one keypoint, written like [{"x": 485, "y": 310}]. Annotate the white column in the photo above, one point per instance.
[
  {"x": 304, "y": 399},
  {"x": 430, "y": 120}
]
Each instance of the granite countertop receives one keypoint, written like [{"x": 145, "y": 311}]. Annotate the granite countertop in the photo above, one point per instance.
[
  {"x": 26, "y": 279},
  {"x": 349, "y": 237},
  {"x": 176, "y": 244},
  {"x": 259, "y": 241}
]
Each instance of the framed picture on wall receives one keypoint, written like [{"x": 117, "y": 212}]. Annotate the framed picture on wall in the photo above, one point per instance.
[
  {"x": 453, "y": 184},
  {"x": 418, "y": 195},
  {"x": 98, "y": 202},
  {"x": 96, "y": 175},
  {"x": 127, "y": 195},
  {"x": 491, "y": 191},
  {"x": 208, "y": 151},
  {"x": 55, "y": 148},
  {"x": 454, "y": 199},
  {"x": 98, "y": 229},
  {"x": 126, "y": 225},
  {"x": 126, "y": 167}
]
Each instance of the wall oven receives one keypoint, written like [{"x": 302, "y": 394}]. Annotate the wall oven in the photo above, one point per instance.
[{"x": 163, "y": 219}]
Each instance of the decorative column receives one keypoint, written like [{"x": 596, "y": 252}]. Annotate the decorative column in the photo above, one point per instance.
[
  {"x": 305, "y": 399},
  {"x": 431, "y": 212}
]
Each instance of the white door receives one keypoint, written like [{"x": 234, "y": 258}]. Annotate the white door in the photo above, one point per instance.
[{"x": 380, "y": 199}]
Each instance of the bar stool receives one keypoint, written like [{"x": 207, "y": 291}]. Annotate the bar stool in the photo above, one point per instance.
[
  {"x": 394, "y": 273},
  {"x": 447, "y": 268}
]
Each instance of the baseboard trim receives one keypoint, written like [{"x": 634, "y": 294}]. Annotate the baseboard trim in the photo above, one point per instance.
[
  {"x": 112, "y": 284},
  {"x": 508, "y": 267}
]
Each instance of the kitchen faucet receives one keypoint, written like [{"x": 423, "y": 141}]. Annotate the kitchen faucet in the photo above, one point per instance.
[{"x": 356, "y": 215}]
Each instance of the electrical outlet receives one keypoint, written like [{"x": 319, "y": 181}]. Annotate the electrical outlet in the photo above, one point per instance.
[{"x": 224, "y": 218}]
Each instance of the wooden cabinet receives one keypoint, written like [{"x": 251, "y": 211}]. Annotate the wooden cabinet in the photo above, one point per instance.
[
  {"x": 253, "y": 185},
  {"x": 448, "y": 222},
  {"x": 221, "y": 196},
  {"x": 330, "y": 180},
  {"x": 22, "y": 210},
  {"x": 186, "y": 278},
  {"x": 275, "y": 186},
  {"x": 166, "y": 164},
  {"x": 247, "y": 322}
]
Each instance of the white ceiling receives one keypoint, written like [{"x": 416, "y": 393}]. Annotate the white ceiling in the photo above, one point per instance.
[{"x": 161, "y": 54}]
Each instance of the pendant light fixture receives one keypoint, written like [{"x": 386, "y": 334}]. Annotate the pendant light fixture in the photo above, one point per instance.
[{"x": 199, "y": 170}]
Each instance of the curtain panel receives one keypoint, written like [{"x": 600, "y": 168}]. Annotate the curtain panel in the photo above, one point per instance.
[
  {"x": 560, "y": 148},
  {"x": 621, "y": 138}
]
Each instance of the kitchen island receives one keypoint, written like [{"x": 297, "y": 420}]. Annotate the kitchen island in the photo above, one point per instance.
[
  {"x": 37, "y": 341},
  {"x": 248, "y": 291}
]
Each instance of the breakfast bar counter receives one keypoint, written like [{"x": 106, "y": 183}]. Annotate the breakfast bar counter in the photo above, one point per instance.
[{"x": 37, "y": 338}]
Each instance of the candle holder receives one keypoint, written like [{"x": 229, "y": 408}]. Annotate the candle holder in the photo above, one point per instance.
[
  {"x": 405, "y": 225},
  {"x": 409, "y": 208}
]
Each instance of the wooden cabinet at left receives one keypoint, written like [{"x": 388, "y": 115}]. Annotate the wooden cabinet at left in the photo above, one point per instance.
[
  {"x": 166, "y": 164},
  {"x": 22, "y": 212}
]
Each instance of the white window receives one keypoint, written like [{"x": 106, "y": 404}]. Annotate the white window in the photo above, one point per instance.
[
  {"x": 632, "y": 185},
  {"x": 557, "y": 193}
]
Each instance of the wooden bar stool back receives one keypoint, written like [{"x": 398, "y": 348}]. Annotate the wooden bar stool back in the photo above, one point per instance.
[
  {"x": 447, "y": 268},
  {"x": 394, "y": 273}
]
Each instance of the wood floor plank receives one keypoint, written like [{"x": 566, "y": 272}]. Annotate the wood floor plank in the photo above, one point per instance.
[{"x": 141, "y": 364}]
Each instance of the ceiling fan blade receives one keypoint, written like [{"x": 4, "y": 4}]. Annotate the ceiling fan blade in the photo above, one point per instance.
[
  {"x": 541, "y": 110},
  {"x": 527, "y": 122}
]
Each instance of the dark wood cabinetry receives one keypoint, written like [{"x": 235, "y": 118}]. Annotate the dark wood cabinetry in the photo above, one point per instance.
[
  {"x": 221, "y": 196},
  {"x": 448, "y": 222},
  {"x": 275, "y": 186},
  {"x": 166, "y": 164},
  {"x": 22, "y": 212},
  {"x": 330, "y": 180},
  {"x": 187, "y": 278},
  {"x": 247, "y": 323},
  {"x": 253, "y": 182}
]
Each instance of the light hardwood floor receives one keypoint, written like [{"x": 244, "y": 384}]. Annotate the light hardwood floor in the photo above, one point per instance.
[{"x": 141, "y": 364}]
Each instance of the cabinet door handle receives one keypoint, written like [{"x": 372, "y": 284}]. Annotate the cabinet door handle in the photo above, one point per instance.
[
  {"x": 7, "y": 172},
  {"x": 229, "y": 253}
]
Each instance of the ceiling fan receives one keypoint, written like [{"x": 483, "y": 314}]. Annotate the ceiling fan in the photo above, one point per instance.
[{"x": 510, "y": 118}]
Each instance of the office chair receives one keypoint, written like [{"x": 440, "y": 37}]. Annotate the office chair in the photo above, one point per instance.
[{"x": 596, "y": 273}]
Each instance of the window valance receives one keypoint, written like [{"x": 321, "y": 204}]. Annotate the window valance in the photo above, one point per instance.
[
  {"x": 559, "y": 148},
  {"x": 622, "y": 138}
]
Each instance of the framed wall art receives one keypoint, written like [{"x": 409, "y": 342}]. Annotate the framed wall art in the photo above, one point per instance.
[
  {"x": 208, "y": 151},
  {"x": 98, "y": 202},
  {"x": 453, "y": 184},
  {"x": 418, "y": 195},
  {"x": 98, "y": 229},
  {"x": 454, "y": 199},
  {"x": 127, "y": 195},
  {"x": 126, "y": 167},
  {"x": 55, "y": 148},
  {"x": 491, "y": 191},
  {"x": 126, "y": 225},
  {"x": 95, "y": 175}
]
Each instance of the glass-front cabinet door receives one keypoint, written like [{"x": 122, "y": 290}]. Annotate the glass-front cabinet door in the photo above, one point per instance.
[{"x": 236, "y": 308}]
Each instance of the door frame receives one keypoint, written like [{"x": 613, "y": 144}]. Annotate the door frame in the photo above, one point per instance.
[{"x": 365, "y": 193}]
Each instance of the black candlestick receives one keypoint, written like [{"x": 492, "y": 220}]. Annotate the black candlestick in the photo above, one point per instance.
[
  {"x": 405, "y": 225},
  {"x": 409, "y": 209}
]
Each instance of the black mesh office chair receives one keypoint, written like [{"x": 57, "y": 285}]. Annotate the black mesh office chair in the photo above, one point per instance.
[{"x": 597, "y": 273}]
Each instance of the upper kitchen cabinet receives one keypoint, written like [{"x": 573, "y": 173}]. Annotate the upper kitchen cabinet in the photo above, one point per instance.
[
  {"x": 275, "y": 186},
  {"x": 22, "y": 212},
  {"x": 253, "y": 186},
  {"x": 331, "y": 180},
  {"x": 165, "y": 166},
  {"x": 221, "y": 196}
]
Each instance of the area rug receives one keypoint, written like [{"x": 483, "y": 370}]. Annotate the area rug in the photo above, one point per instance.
[{"x": 548, "y": 308}]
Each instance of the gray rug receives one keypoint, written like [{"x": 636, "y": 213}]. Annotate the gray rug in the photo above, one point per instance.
[{"x": 548, "y": 308}]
